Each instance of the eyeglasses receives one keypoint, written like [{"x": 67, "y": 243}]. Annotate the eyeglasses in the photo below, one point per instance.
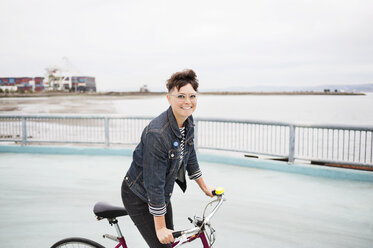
[{"x": 182, "y": 97}]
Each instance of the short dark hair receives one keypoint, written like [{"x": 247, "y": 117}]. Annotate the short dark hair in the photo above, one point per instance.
[{"x": 182, "y": 78}]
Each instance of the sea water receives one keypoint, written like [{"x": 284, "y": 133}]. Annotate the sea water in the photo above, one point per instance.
[{"x": 302, "y": 109}]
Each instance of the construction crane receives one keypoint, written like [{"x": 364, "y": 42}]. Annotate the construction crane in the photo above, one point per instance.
[{"x": 60, "y": 77}]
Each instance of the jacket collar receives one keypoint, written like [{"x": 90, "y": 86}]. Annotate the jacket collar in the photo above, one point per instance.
[{"x": 174, "y": 126}]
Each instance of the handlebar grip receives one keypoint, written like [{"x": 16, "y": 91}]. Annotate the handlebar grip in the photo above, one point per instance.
[
  {"x": 218, "y": 191},
  {"x": 176, "y": 234}
]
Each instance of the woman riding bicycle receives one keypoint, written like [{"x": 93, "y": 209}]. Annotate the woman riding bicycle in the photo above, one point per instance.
[{"x": 163, "y": 156}]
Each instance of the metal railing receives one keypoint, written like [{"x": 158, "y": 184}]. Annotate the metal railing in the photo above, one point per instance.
[
  {"x": 254, "y": 137},
  {"x": 329, "y": 144},
  {"x": 335, "y": 144},
  {"x": 72, "y": 129}
]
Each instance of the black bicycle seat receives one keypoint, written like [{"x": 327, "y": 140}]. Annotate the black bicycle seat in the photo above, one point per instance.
[{"x": 105, "y": 210}]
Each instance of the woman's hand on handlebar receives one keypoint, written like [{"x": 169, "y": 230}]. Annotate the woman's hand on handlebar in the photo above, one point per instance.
[
  {"x": 208, "y": 191},
  {"x": 165, "y": 236}
]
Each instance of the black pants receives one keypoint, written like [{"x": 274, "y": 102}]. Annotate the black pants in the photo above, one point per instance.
[{"x": 138, "y": 210}]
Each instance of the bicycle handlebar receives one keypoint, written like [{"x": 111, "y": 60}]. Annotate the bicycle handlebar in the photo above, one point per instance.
[
  {"x": 219, "y": 192},
  {"x": 220, "y": 200},
  {"x": 186, "y": 232}
]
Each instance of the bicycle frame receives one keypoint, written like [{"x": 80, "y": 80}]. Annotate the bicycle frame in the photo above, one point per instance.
[
  {"x": 122, "y": 242},
  {"x": 186, "y": 236},
  {"x": 120, "y": 238},
  {"x": 201, "y": 235}
]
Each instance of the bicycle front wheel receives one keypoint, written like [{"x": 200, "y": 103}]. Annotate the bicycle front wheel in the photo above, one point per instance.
[{"x": 77, "y": 243}]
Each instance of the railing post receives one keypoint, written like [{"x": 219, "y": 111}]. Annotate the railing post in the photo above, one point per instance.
[
  {"x": 291, "y": 143},
  {"x": 24, "y": 131},
  {"x": 107, "y": 140}
]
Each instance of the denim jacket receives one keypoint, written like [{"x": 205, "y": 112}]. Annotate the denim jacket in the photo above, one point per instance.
[{"x": 156, "y": 161}]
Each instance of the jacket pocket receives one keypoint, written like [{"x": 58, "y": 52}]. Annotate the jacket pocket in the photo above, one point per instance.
[{"x": 174, "y": 154}]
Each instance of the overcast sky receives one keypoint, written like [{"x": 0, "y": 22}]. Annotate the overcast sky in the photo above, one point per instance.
[{"x": 126, "y": 44}]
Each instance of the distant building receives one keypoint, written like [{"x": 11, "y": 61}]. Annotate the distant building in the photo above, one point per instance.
[
  {"x": 71, "y": 83},
  {"x": 21, "y": 84},
  {"x": 83, "y": 84},
  {"x": 37, "y": 84},
  {"x": 144, "y": 88}
]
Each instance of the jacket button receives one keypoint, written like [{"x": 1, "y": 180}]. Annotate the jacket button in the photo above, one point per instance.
[
  {"x": 172, "y": 155},
  {"x": 127, "y": 178}
]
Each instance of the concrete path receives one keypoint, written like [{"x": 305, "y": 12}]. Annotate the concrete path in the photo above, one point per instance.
[{"x": 44, "y": 198}]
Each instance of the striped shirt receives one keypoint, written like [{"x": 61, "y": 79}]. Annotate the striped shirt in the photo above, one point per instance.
[
  {"x": 182, "y": 142},
  {"x": 197, "y": 174}
]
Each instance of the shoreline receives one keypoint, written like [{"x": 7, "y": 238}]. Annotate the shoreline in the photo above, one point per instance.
[{"x": 136, "y": 93}]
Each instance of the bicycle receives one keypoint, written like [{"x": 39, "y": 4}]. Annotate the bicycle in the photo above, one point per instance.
[{"x": 202, "y": 227}]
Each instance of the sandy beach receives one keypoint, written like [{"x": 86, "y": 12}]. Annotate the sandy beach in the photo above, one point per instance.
[{"x": 75, "y": 104}]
